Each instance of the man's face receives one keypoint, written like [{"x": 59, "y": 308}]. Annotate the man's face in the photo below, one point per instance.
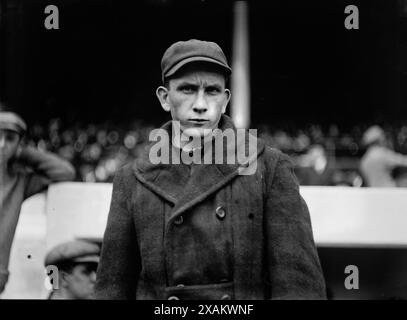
[
  {"x": 196, "y": 98},
  {"x": 9, "y": 142},
  {"x": 80, "y": 282}
]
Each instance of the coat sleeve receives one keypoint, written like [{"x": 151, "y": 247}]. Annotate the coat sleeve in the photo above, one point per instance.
[
  {"x": 47, "y": 168},
  {"x": 294, "y": 269},
  {"x": 119, "y": 265}
]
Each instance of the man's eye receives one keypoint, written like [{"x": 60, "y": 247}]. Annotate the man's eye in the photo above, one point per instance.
[
  {"x": 213, "y": 90},
  {"x": 10, "y": 137},
  {"x": 187, "y": 89}
]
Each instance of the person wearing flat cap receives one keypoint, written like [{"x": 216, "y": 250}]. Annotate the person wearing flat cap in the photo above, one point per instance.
[
  {"x": 76, "y": 262},
  {"x": 24, "y": 171},
  {"x": 196, "y": 227}
]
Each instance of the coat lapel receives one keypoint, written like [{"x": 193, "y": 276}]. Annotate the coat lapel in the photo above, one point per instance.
[
  {"x": 167, "y": 180},
  {"x": 174, "y": 183}
]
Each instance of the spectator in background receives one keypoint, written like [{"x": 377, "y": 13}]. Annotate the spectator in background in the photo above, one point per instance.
[
  {"x": 24, "y": 171},
  {"x": 314, "y": 168},
  {"x": 77, "y": 262},
  {"x": 379, "y": 160}
]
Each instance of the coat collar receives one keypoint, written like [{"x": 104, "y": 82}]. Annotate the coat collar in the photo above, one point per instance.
[{"x": 174, "y": 182}]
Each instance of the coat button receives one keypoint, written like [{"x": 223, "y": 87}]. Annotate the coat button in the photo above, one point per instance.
[
  {"x": 225, "y": 297},
  {"x": 246, "y": 164},
  {"x": 173, "y": 298},
  {"x": 179, "y": 220},
  {"x": 220, "y": 212}
]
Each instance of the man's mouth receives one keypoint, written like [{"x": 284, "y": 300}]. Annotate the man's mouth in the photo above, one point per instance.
[{"x": 198, "y": 121}]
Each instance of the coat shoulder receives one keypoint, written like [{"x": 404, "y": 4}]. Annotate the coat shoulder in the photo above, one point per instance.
[
  {"x": 125, "y": 175},
  {"x": 126, "y": 169},
  {"x": 272, "y": 153},
  {"x": 271, "y": 157},
  {"x": 275, "y": 161}
]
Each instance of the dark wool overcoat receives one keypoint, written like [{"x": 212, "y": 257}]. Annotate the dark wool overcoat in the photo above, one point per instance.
[{"x": 206, "y": 231}]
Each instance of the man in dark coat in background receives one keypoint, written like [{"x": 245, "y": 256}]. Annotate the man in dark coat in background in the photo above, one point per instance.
[{"x": 192, "y": 230}]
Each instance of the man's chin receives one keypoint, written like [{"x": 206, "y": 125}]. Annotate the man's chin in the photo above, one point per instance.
[{"x": 196, "y": 132}]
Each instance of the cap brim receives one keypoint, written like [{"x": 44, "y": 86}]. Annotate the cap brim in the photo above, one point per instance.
[
  {"x": 96, "y": 240},
  {"x": 182, "y": 63},
  {"x": 93, "y": 258}
]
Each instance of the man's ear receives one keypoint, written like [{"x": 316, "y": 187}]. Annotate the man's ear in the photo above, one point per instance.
[
  {"x": 162, "y": 95},
  {"x": 228, "y": 95},
  {"x": 63, "y": 278}
]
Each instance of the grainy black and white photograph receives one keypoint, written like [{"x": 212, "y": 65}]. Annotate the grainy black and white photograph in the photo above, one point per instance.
[{"x": 203, "y": 150}]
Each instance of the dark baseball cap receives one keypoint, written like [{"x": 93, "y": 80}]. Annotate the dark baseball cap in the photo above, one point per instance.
[{"x": 183, "y": 52}]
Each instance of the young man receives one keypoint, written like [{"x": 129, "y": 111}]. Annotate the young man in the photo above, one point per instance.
[
  {"x": 77, "y": 262},
  {"x": 24, "y": 171},
  {"x": 198, "y": 230}
]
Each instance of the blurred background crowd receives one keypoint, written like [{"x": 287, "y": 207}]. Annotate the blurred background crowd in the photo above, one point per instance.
[
  {"x": 95, "y": 150},
  {"x": 325, "y": 155}
]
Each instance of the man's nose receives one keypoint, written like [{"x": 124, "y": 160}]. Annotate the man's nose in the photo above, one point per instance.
[{"x": 200, "y": 105}]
